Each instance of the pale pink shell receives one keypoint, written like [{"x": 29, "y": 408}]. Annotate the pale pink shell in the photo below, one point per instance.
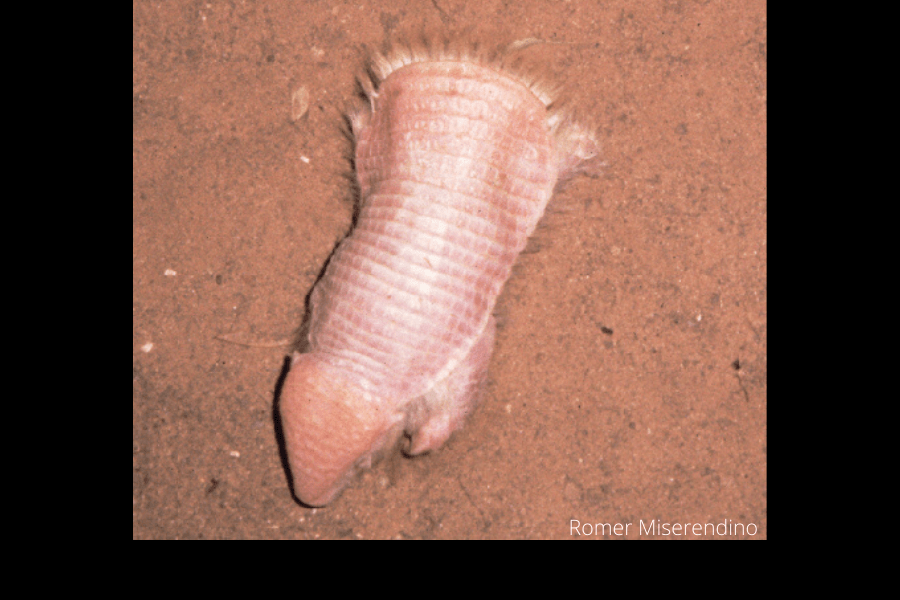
[{"x": 456, "y": 163}]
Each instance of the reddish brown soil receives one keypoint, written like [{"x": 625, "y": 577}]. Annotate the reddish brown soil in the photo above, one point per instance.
[{"x": 628, "y": 383}]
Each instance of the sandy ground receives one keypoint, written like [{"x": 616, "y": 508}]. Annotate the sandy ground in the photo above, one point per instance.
[{"x": 629, "y": 379}]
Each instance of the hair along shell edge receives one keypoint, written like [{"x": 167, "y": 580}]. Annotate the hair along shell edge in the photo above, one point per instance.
[{"x": 574, "y": 135}]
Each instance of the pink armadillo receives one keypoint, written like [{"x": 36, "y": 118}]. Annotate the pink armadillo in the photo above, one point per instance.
[{"x": 456, "y": 157}]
